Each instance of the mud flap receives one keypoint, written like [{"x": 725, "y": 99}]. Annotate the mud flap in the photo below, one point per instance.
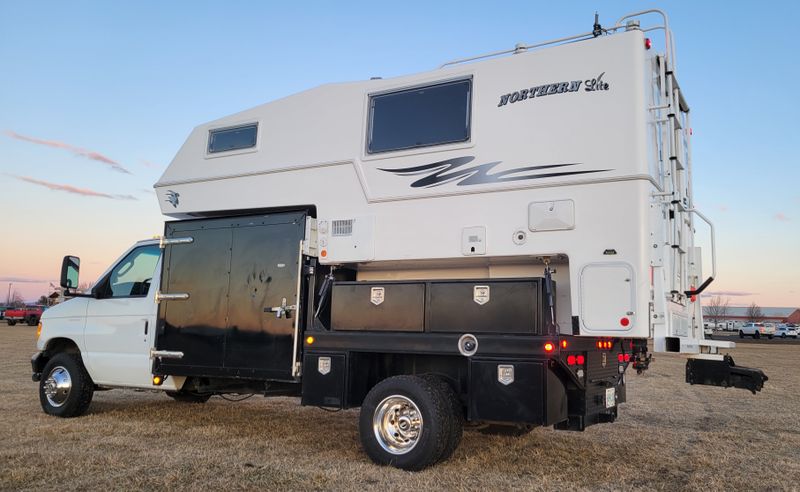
[{"x": 724, "y": 373}]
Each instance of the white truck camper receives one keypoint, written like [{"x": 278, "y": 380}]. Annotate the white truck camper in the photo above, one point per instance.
[{"x": 491, "y": 243}]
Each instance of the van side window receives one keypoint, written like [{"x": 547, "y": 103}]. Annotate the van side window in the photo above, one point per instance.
[
  {"x": 420, "y": 117},
  {"x": 131, "y": 277}
]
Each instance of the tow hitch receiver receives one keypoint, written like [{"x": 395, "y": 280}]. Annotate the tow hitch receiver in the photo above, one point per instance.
[{"x": 725, "y": 373}]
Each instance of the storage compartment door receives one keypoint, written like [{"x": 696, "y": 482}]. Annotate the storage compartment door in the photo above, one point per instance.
[
  {"x": 264, "y": 275},
  {"x": 607, "y": 299},
  {"x": 195, "y": 326}
]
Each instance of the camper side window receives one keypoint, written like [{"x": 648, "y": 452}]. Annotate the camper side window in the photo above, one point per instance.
[
  {"x": 420, "y": 117},
  {"x": 232, "y": 138}
]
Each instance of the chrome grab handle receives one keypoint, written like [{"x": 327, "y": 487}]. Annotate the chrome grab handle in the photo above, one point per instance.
[{"x": 165, "y": 354}]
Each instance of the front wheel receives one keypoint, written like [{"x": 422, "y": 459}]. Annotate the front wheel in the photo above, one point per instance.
[
  {"x": 783, "y": 335},
  {"x": 741, "y": 334},
  {"x": 65, "y": 389},
  {"x": 405, "y": 421},
  {"x": 11, "y": 322},
  {"x": 757, "y": 335},
  {"x": 769, "y": 336},
  {"x": 32, "y": 321}
]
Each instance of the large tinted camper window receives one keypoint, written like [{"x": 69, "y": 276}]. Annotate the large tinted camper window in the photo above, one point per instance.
[
  {"x": 234, "y": 138},
  {"x": 420, "y": 117}
]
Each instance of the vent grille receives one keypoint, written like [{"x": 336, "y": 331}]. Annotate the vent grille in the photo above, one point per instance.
[{"x": 342, "y": 227}]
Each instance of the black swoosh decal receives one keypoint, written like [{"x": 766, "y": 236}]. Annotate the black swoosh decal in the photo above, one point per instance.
[{"x": 441, "y": 172}]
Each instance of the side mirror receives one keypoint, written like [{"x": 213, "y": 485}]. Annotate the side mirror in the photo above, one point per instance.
[{"x": 69, "y": 272}]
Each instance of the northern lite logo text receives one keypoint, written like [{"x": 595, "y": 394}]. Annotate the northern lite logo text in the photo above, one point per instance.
[{"x": 589, "y": 85}]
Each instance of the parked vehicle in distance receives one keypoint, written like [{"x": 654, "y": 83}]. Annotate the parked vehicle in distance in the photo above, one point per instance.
[
  {"x": 27, "y": 314},
  {"x": 757, "y": 330},
  {"x": 3, "y": 311},
  {"x": 786, "y": 330},
  {"x": 708, "y": 331}
]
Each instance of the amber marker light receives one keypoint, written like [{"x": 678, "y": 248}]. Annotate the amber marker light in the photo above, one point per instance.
[
  {"x": 39, "y": 330},
  {"x": 157, "y": 380},
  {"x": 548, "y": 347},
  {"x": 309, "y": 340}
]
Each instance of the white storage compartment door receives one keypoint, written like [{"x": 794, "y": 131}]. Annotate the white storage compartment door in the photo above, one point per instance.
[{"x": 608, "y": 299}]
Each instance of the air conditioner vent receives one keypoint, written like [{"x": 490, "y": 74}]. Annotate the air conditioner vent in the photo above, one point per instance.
[{"x": 342, "y": 227}]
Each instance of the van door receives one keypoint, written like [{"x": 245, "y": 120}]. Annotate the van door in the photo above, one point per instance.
[
  {"x": 237, "y": 272},
  {"x": 120, "y": 322}
]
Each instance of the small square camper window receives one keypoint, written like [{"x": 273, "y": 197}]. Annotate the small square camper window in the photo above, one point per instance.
[
  {"x": 233, "y": 138},
  {"x": 420, "y": 117}
]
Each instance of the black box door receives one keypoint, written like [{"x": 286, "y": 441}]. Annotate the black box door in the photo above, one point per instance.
[
  {"x": 233, "y": 270},
  {"x": 264, "y": 265}
]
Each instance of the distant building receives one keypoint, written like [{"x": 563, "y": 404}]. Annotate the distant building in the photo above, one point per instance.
[{"x": 768, "y": 314}]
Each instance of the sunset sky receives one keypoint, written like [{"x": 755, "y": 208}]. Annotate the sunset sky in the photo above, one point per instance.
[{"x": 96, "y": 98}]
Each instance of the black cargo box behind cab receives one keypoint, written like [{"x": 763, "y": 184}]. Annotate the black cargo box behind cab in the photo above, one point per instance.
[{"x": 513, "y": 306}]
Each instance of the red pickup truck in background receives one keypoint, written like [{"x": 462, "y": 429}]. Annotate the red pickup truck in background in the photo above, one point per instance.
[{"x": 27, "y": 314}]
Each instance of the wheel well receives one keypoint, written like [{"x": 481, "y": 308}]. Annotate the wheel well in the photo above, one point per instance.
[
  {"x": 57, "y": 345},
  {"x": 53, "y": 347},
  {"x": 369, "y": 369}
]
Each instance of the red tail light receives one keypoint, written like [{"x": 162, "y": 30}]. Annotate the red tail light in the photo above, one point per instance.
[
  {"x": 580, "y": 360},
  {"x": 620, "y": 358},
  {"x": 627, "y": 357},
  {"x": 571, "y": 360}
]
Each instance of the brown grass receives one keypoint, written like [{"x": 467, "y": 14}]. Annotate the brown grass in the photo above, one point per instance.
[{"x": 669, "y": 436}]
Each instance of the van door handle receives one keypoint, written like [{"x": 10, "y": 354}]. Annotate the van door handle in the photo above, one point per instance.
[{"x": 146, "y": 324}]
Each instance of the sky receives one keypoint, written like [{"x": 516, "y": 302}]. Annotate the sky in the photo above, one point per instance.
[{"x": 97, "y": 97}]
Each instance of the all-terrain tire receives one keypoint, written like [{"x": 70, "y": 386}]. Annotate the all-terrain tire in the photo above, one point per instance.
[
  {"x": 11, "y": 322},
  {"x": 457, "y": 412},
  {"x": 432, "y": 438},
  {"x": 783, "y": 335},
  {"x": 188, "y": 397},
  {"x": 66, "y": 403},
  {"x": 32, "y": 321},
  {"x": 756, "y": 335},
  {"x": 741, "y": 334},
  {"x": 769, "y": 336}
]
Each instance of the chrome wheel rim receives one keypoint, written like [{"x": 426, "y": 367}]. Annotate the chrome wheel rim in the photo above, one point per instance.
[
  {"x": 57, "y": 386},
  {"x": 397, "y": 424}
]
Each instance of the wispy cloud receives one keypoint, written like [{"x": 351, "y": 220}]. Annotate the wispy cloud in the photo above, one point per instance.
[
  {"x": 150, "y": 164},
  {"x": 781, "y": 217},
  {"x": 78, "y": 151},
  {"x": 729, "y": 293},
  {"x": 23, "y": 280},
  {"x": 72, "y": 189}
]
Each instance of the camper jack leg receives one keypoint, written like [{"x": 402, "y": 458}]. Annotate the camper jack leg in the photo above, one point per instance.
[{"x": 724, "y": 373}]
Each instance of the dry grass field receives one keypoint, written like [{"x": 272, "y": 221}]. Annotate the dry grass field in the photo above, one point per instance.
[{"x": 669, "y": 436}]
